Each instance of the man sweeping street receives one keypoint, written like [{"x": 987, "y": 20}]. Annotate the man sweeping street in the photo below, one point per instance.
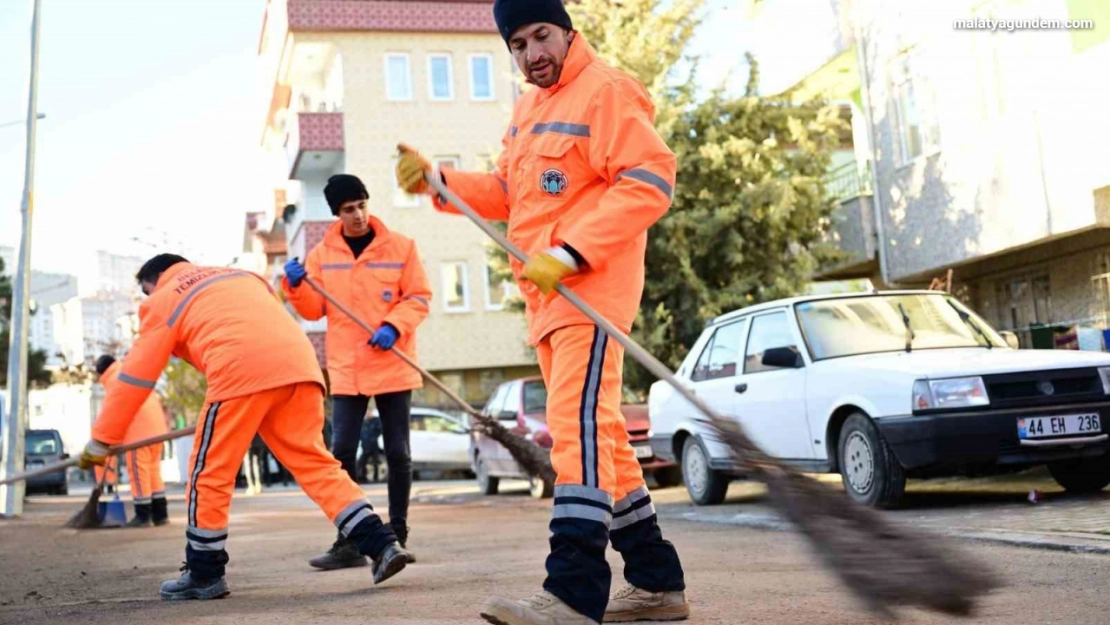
[
  {"x": 582, "y": 176},
  {"x": 376, "y": 273},
  {"x": 144, "y": 466},
  {"x": 262, "y": 378}
]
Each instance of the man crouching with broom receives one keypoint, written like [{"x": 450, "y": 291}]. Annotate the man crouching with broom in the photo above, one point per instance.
[
  {"x": 582, "y": 176},
  {"x": 263, "y": 378}
]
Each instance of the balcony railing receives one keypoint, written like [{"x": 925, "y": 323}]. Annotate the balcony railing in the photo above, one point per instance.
[{"x": 845, "y": 182}]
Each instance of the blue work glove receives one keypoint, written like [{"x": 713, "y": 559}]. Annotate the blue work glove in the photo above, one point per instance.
[
  {"x": 384, "y": 338},
  {"x": 295, "y": 272}
]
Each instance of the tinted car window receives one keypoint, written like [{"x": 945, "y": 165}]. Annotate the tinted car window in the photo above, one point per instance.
[
  {"x": 721, "y": 354},
  {"x": 41, "y": 443},
  {"x": 535, "y": 397},
  {"x": 768, "y": 331}
]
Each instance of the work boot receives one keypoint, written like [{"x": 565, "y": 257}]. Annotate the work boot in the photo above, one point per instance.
[
  {"x": 342, "y": 555},
  {"x": 189, "y": 587},
  {"x": 401, "y": 529},
  {"x": 392, "y": 561},
  {"x": 543, "y": 608},
  {"x": 160, "y": 515},
  {"x": 142, "y": 516},
  {"x": 634, "y": 604}
]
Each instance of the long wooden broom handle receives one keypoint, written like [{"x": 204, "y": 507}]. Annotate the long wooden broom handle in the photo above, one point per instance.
[
  {"x": 651, "y": 363},
  {"x": 400, "y": 354},
  {"x": 114, "y": 451}
]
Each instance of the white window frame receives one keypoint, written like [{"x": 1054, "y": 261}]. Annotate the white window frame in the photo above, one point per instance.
[
  {"x": 470, "y": 69},
  {"x": 490, "y": 304},
  {"x": 905, "y": 71},
  {"x": 450, "y": 97},
  {"x": 408, "y": 76},
  {"x": 447, "y": 307},
  {"x": 455, "y": 161}
]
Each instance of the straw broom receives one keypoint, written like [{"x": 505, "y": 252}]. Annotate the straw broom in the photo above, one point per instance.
[{"x": 884, "y": 565}]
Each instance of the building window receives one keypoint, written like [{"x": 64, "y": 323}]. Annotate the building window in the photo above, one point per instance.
[
  {"x": 481, "y": 77},
  {"x": 918, "y": 130},
  {"x": 398, "y": 77},
  {"x": 499, "y": 289},
  {"x": 441, "y": 84},
  {"x": 401, "y": 199},
  {"x": 447, "y": 162},
  {"x": 456, "y": 293}
]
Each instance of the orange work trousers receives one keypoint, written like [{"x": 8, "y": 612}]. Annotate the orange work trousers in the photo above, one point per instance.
[
  {"x": 111, "y": 466},
  {"x": 290, "y": 420},
  {"x": 144, "y": 469},
  {"x": 600, "y": 495}
]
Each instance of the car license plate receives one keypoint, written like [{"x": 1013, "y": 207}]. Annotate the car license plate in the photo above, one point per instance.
[
  {"x": 1063, "y": 425},
  {"x": 643, "y": 451}
]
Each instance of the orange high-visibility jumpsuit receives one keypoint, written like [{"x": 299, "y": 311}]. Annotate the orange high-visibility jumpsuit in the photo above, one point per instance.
[
  {"x": 262, "y": 378},
  {"x": 144, "y": 466},
  {"x": 583, "y": 166},
  {"x": 385, "y": 284}
]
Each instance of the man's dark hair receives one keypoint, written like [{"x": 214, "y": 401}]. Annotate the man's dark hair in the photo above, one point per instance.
[
  {"x": 153, "y": 268},
  {"x": 103, "y": 363}
]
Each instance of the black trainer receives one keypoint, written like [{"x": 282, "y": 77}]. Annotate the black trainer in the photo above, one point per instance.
[
  {"x": 142, "y": 516},
  {"x": 189, "y": 587},
  {"x": 342, "y": 555},
  {"x": 402, "y": 531},
  {"x": 392, "y": 561},
  {"x": 159, "y": 513}
]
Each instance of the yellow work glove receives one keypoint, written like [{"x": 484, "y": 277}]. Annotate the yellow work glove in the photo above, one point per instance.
[
  {"x": 95, "y": 453},
  {"x": 548, "y": 269},
  {"x": 411, "y": 167}
]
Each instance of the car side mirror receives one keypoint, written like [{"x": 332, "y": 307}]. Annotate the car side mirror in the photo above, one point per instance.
[
  {"x": 782, "y": 358},
  {"x": 1011, "y": 339},
  {"x": 65, "y": 457},
  {"x": 506, "y": 415}
]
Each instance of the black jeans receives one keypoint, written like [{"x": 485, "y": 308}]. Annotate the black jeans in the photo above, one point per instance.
[{"x": 348, "y": 411}]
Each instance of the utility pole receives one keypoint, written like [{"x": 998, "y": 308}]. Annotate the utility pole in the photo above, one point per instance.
[{"x": 11, "y": 497}]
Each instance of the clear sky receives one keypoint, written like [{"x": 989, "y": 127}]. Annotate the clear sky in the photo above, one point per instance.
[{"x": 154, "y": 117}]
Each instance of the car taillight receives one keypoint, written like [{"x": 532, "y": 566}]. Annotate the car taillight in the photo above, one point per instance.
[{"x": 543, "y": 439}]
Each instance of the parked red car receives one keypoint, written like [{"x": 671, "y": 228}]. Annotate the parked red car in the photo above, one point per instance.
[{"x": 524, "y": 403}]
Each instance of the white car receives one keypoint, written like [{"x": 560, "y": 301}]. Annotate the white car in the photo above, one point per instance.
[
  {"x": 438, "y": 441},
  {"x": 883, "y": 386}
]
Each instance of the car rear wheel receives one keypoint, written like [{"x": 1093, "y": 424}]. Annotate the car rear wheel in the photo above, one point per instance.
[
  {"x": 668, "y": 477},
  {"x": 1082, "y": 475},
  {"x": 487, "y": 484},
  {"x": 541, "y": 488},
  {"x": 706, "y": 486},
  {"x": 872, "y": 474},
  {"x": 62, "y": 490}
]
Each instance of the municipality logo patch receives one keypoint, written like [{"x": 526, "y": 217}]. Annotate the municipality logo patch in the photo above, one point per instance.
[{"x": 553, "y": 182}]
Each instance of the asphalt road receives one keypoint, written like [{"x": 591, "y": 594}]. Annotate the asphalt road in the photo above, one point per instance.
[{"x": 468, "y": 548}]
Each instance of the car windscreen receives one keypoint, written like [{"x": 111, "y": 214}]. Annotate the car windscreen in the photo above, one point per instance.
[
  {"x": 535, "y": 397},
  {"x": 42, "y": 443},
  {"x": 836, "y": 328}
]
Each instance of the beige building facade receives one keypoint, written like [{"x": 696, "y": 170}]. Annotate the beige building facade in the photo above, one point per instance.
[{"x": 350, "y": 81}]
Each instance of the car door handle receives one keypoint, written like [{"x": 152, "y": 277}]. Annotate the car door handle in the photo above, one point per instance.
[{"x": 741, "y": 387}]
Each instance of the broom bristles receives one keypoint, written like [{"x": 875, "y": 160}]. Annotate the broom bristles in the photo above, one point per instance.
[
  {"x": 884, "y": 565},
  {"x": 89, "y": 516},
  {"x": 533, "y": 459}
]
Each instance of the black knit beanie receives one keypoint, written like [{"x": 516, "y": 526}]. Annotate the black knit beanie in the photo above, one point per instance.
[
  {"x": 512, "y": 14},
  {"x": 344, "y": 188}
]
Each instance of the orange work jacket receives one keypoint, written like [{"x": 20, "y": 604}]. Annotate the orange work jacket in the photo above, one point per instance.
[
  {"x": 385, "y": 284},
  {"x": 227, "y": 323},
  {"x": 150, "y": 420},
  {"x": 583, "y": 165}
]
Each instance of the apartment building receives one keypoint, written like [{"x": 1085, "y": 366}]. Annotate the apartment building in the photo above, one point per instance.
[
  {"x": 977, "y": 150},
  {"x": 350, "y": 81}
]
